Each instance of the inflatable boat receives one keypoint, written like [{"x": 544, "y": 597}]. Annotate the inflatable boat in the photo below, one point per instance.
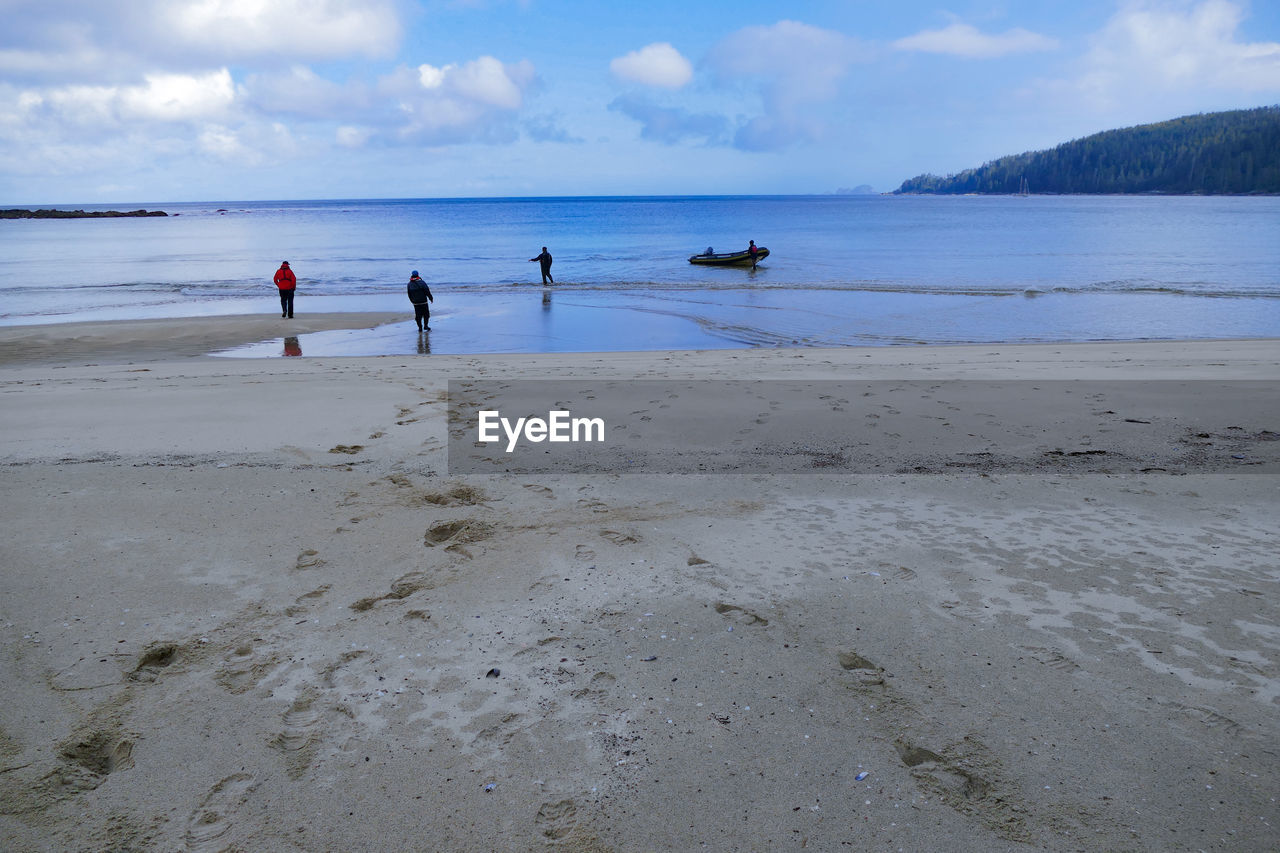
[{"x": 725, "y": 259}]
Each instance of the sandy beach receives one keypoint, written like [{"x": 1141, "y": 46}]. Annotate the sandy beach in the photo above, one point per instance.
[{"x": 247, "y": 606}]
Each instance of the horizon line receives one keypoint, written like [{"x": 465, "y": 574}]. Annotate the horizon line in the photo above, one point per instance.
[{"x": 829, "y": 194}]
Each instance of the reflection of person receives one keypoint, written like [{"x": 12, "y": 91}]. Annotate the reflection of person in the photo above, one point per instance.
[
  {"x": 420, "y": 295},
  {"x": 288, "y": 283},
  {"x": 292, "y": 347},
  {"x": 754, "y": 253},
  {"x": 545, "y": 261}
]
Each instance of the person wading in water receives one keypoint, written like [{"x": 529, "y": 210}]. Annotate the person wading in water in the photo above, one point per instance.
[
  {"x": 545, "y": 261},
  {"x": 420, "y": 295}
]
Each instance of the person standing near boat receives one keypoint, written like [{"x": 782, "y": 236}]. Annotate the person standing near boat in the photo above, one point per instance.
[
  {"x": 420, "y": 295},
  {"x": 287, "y": 283},
  {"x": 754, "y": 253},
  {"x": 544, "y": 260}
]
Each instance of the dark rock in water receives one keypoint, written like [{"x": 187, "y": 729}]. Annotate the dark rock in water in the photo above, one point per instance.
[{"x": 20, "y": 213}]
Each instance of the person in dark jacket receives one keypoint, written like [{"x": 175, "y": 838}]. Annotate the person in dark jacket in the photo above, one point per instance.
[
  {"x": 420, "y": 295},
  {"x": 287, "y": 282},
  {"x": 545, "y": 261}
]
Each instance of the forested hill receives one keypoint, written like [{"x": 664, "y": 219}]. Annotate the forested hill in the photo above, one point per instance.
[{"x": 1214, "y": 153}]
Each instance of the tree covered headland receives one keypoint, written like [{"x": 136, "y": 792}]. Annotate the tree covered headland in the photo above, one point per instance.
[{"x": 1214, "y": 153}]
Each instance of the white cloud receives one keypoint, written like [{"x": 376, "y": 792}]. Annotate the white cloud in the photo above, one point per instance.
[
  {"x": 223, "y": 144},
  {"x": 658, "y": 64},
  {"x": 26, "y": 63},
  {"x": 967, "y": 41},
  {"x": 249, "y": 144},
  {"x": 352, "y": 137},
  {"x": 60, "y": 40},
  {"x": 797, "y": 67},
  {"x": 163, "y": 97},
  {"x": 301, "y": 92},
  {"x": 1159, "y": 59},
  {"x": 1162, "y": 46},
  {"x": 179, "y": 97},
  {"x": 431, "y": 77},
  {"x": 487, "y": 81},
  {"x": 472, "y": 101},
  {"x": 287, "y": 28}
]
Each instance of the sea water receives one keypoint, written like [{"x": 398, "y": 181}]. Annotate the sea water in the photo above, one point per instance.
[{"x": 843, "y": 270}]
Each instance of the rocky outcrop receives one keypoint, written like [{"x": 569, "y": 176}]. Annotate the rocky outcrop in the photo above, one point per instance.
[{"x": 19, "y": 213}]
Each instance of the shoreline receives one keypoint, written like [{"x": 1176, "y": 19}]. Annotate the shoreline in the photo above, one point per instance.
[
  {"x": 247, "y": 603},
  {"x": 161, "y": 339}
]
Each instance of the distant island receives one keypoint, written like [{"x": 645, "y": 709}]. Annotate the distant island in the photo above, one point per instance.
[
  {"x": 1226, "y": 153},
  {"x": 20, "y": 213}
]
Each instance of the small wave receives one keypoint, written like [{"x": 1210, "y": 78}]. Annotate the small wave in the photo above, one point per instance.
[
  {"x": 139, "y": 286},
  {"x": 362, "y": 286},
  {"x": 1271, "y": 291}
]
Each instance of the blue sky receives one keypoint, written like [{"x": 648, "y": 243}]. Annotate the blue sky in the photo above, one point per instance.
[{"x": 185, "y": 100}]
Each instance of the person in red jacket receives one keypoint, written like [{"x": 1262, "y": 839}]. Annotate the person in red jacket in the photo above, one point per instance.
[{"x": 288, "y": 283}]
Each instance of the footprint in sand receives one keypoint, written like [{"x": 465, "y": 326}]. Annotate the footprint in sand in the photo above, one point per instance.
[
  {"x": 500, "y": 730},
  {"x": 101, "y": 752},
  {"x": 618, "y": 538},
  {"x": 308, "y": 559},
  {"x": 460, "y": 532},
  {"x": 86, "y": 759},
  {"x": 740, "y": 614},
  {"x": 956, "y": 784},
  {"x": 1209, "y": 717},
  {"x": 865, "y": 671},
  {"x": 210, "y": 825},
  {"x": 1052, "y": 658},
  {"x": 300, "y": 737},
  {"x": 598, "y": 687},
  {"x": 156, "y": 657},
  {"x": 458, "y": 494},
  {"x": 302, "y": 603},
  {"x": 401, "y": 588},
  {"x": 556, "y": 820},
  {"x": 245, "y": 666},
  {"x": 328, "y": 673}
]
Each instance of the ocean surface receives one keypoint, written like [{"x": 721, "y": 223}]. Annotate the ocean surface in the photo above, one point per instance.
[{"x": 844, "y": 270}]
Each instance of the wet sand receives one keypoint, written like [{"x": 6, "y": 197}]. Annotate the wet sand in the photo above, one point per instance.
[
  {"x": 246, "y": 606},
  {"x": 124, "y": 341}
]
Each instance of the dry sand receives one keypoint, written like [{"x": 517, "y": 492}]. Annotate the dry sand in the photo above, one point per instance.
[{"x": 245, "y": 607}]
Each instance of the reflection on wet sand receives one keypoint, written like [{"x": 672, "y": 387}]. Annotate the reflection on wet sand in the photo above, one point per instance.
[
  {"x": 424, "y": 342},
  {"x": 292, "y": 347}
]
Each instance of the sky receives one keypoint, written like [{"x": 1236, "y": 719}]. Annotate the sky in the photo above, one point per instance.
[{"x": 114, "y": 101}]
